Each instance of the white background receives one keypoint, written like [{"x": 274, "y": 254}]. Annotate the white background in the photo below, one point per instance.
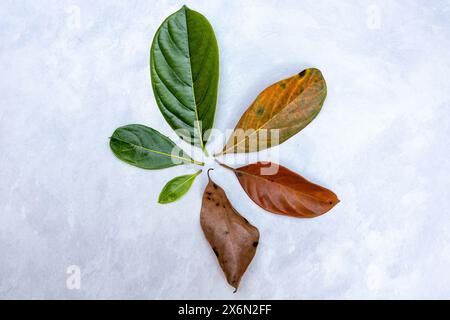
[{"x": 380, "y": 142}]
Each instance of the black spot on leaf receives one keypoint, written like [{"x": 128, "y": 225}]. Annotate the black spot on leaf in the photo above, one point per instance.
[{"x": 260, "y": 111}]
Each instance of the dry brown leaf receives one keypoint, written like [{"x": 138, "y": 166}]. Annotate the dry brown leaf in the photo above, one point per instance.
[
  {"x": 281, "y": 191},
  {"x": 233, "y": 239}
]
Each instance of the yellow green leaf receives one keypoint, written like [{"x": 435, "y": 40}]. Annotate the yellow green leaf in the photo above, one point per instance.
[{"x": 279, "y": 112}]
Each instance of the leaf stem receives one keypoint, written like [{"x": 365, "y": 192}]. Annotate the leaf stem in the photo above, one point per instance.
[
  {"x": 198, "y": 163},
  {"x": 205, "y": 151},
  {"x": 225, "y": 166},
  {"x": 210, "y": 169}
]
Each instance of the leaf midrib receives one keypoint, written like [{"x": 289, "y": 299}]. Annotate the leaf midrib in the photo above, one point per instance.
[
  {"x": 258, "y": 129},
  {"x": 280, "y": 184},
  {"x": 154, "y": 151},
  {"x": 228, "y": 223},
  {"x": 189, "y": 178},
  {"x": 197, "y": 124}
]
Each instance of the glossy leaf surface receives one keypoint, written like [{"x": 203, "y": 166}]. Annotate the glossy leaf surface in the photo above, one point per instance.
[
  {"x": 279, "y": 112},
  {"x": 146, "y": 148},
  {"x": 233, "y": 239},
  {"x": 184, "y": 65}
]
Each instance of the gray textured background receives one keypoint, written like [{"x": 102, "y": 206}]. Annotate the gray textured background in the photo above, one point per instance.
[{"x": 380, "y": 142}]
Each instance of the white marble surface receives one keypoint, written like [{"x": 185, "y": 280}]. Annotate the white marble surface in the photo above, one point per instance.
[{"x": 380, "y": 142}]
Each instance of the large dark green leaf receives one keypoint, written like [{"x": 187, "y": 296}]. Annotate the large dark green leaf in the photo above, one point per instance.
[
  {"x": 177, "y": 187},
  {"x": 184, "y": 65},
  {"x": 146, "y": 148}
]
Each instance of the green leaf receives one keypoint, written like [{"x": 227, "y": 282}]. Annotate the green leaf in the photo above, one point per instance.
[
  {"x": 176, "y": 188},
  {"x": 146, "y": 148},
  {"x": 184, "y": 67}
]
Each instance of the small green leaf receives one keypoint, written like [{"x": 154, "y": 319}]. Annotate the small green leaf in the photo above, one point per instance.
[
  {"x": 176, "y": 188},
  {"x": 184, "y": 66},
  {"x": 146, "y": 148}
]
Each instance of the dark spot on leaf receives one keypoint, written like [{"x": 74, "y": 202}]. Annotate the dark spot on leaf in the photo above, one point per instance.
[
  {"x": 215, "y": 252},
  {"x": 226, "y": 232},
  {"x": 283, "y": 85},
  {"x": 260, "y": 111},
  {"x": 224, "y": 206},
  {"x": 208, "y": 198},
  {"x": 215, "y": 186},
  {"x": 255, "y": 244},
  {"x": 302, "y": 74},
  {"x": 331, "y": 202},
  {"x": 209, "y": 193},
  {"x": 217, "y": 204}
]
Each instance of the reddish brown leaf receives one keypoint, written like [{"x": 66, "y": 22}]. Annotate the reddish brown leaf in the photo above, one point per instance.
[
  {"x": 233, "y": 239},
  {"x": 281, "y": 191}
]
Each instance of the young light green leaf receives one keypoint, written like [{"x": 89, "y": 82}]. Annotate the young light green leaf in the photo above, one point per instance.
[
  {"x": 146, "y": 148},
  {"x": 176, "y": 188},
  {"x": 184, "y": 67}
]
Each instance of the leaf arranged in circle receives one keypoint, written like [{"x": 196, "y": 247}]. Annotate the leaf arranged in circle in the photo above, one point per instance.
[
  {"x": 281, "y": 191},
  {"x": 184, "y": 65},
  {"x": 233, "y": 239},
  {"x": 184, "y": 69},
  {"x": 177, "y": 187},
  {"x": 279, "y": 112},
  {"x": 146, "y": 148}
]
